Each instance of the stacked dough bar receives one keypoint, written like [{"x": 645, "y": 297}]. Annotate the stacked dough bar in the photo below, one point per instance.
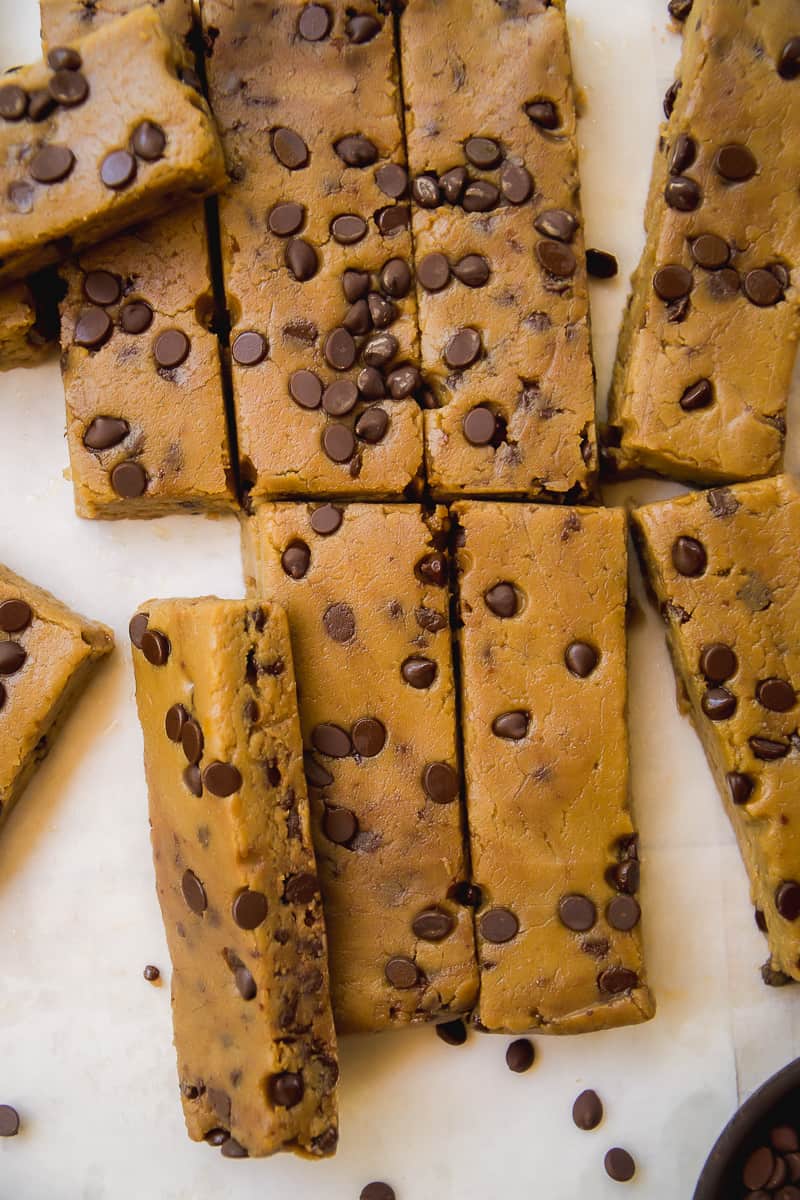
[
  {"x": 706, "y": 353},
  {"x": 146, "y": 425}
]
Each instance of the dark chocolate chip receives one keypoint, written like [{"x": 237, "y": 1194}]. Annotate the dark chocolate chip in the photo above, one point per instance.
[
  {"x": 289, "y": 148},
  {"x": 286, "y": 218},
  {"x": 193, "y": 779},
  {"x": 118, "y": 169},
  {"x": 787, "y": 900},
  {"x": 249, "y": 348},
  {"x": 377, "y": 1191},
  {"x": 340, "y": 397},
  {"x": 302, "y": 888},
  {"x": 502, "y": 600},
  {"x": 615, "y": 980},
  {"x": 472, "y": 270},
  {"x": 222, "y": 779},
  {"x": 15, "y": 615},
  {"x": 718, "y": 703},
  {"x": 689, "y": 556},
  {"x": 40, "y": 104},
  {"x": 600, "y": 264},
  {"x": 129, "y": 479},
  {"x": 148, "y": 141},
  {"x": 762, "y": 288},
  {"x": 784, "y": 1139},
  {"x": 577, "y": 912},
  {"x": 194, "y": 893},
  {"x": 382, "y": 311},
  {"x": 499, "y": 925},
  {"x": 581, "y": 659},
  {"x": 340, "y": 349},
  {"x": 51, "y": 164},
  {"x": 326, "y": 519},
  {"x": 432, "y": 925},
  {"x": 463, "y": 348},
  {"x": 483, "y": 152},
  {"x": 433, "y": 272},
  {"x": 101, "y": 287},
  {"x": 684, "y": 153},
  {"x": 338, "y": 443},
  {"x": 587, "y": 1111},
  {"x": 543, "y": 113},
  {"x": 479, "y": 425},
  {"x": 670, "y": 96},
  {"x": 137, "y": 627},
  {"x": 380, "y": 349},
  {"x": 92, "y": 328},
  {"x": 512, "y": 725},
  {"x": 331, "y": 740},
  {"x": 425, "y": 190},
  {"x": 789, "y": 61},
  {"x": 776, "y": 694},
  {"x": 392, "y": 179},
  {"x": 480, "y": 196},
  {"x": 682, "y": 193},
  {"x": 314, "y": 22},
  {"x": 295, "y": 559},
  {"x": 249, "y": 909},
  {"x": 396, "y": 278},
  {"x": 516, "y": 183},
  {"x": 174, "y": 721},
  {"x": 556, "y": 223},
  {"x": 735, "y": 163},
  {"x": 151, "y": 973},
  {"x": 619, "y": 1165},
  {"x": 245, "y": 983},
  {"x": 419, "y": 672},
  {"x": 371, "y": 383},
  {"x": 768, "y": 750},
  {"x": 362, "y": 28},
  {"x": 758, "y": 1168},
  {"x": 718, "y": 662},
  {"x": 230, "y": 1147},
  {"x": 348, "y": 229},
  {"x": 9, "y": 1121},
  {"x": 520, "y": 1055},
  {"x": 556, "y": 257},
  {"x": 339, "y": 825},
  {"x": 13, "y": 102},
  {"x": 136, "y": 316},
  {"x": 339, "y": 622},
  {"x": 672, "y": 282},
  {"x": 740, "y": 787},
  {"x": 710, "y": 252},
  {"x": 68, "y": 88},
  {"x": 452, "y": 1033},
  {"x": 440, "y": 782},
  {"x": 192, "y": 740},
  {"x": 401, "y": 973},
  {"x": 369, "y": 736},
  {"x": 433, "y": 569},
  {"x": 452, "y": 183},
  {"x": 171, "y": 348},
  {"x": 623, "y": 913},
  {"x": 305, "y": 388},
  {"x": 372, "y": 425},
  {"x": 12, "y": 657},
  {"x": 216, "y": 1137},
  {"x": 356, "y": 150},
  {"x": 697, "y": 395},
  {"x": 403, "y": 382},
  {"x": 301, "y": 259}
]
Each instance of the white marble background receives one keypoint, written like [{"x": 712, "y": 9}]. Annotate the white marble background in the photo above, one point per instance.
[{"x": 85, "y": 1049}]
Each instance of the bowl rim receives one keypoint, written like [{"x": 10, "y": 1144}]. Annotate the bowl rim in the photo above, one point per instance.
[{"x": 741, "y": 1123}]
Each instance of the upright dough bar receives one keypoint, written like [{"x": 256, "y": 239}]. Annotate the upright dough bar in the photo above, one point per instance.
[
  {"x": 725, "y": 569},
  {"x": 501, "y": 277},
  {"x": 706, "y": 353},
  {"x": 365, "y": 588},
  {"x": 105, "y": 136},
  {"x": 47, "y": 654},
  {"x": 554, "y": 852},
  {"x": 316, "y": 247},
  {"x": 144, "y": 438},
  {"x": 236, "y": 876},
  {"x": 29, "y": 320}
]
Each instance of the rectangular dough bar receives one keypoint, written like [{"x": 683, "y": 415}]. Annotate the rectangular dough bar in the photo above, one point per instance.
[
  {"x": 702, "y": 377},
  {"x": 724, "y": 566},
  {"x": 492, "y": 98},
  {"x": 542, "y": 595},
  {"x": 235, "y": 875},
  {"x": 29, "y": 320},
  {"x": 289, "y": 83},
  {"x": 365, "y": 587}
]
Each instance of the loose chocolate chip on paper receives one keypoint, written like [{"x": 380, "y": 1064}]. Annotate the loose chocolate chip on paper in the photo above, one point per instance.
[
  {"x": 511, "y": 725},
  {"x": 151, "y": 973},
  {"x": 740, "y": 787},
  {"x": 577, "y": 912},
  {"x": 194, "y": 893},
  {"x": 12, "y": 657},
  {"x": 171, "y": 348},
  {"x": 401, "y": 973},
  {"x": 789, "y": 61},
  {"x": 392, "y": 179},
  {"x": 192, "y": 740},
  {"x": 520, "y": 1055},
  {"x": 13, "y": 102},
  {"x": 9, "y": 1121},
  {"x": 295, "y": 559},
  {"x": 326, "y": 519},
  {"x": 499, "y": 925},
  {"x": 377, "y": 1190},
  {"x": 149, "y": 141},
  {"x": 418, "y": 671},
  {"x": 129, "y": 480},
  {"x": 502, "y": 600},
  {"x": 432, "y": 925},
  {"x": 543, "y": 113},
  {"x": 479, "y": 425},
  {"x": 339, "y": 825},
  {"x": 587, "y": 1110},
  {"x": 136, "y": 316},
  {"x": 249, "y": 348},
  {"x": 600, "y": 264},
  {"x": 15, "y": 615},
  {"x": 697, "y": 395},
  {"x": 776, "y": 695},
  {"x": 689, "y": 556},
  {"x": 619, "y": 1165},
  {"x": 735, "y": 163},
  {"x": 441, "y": 782},
  {"x": 69, "y": 88},
  {"x": 118, "y": 169},
  {"x": 581, "y": 659},
  {"x": 216, "y": 1137},
  {"x": 102, "y": 287},
  {"x": 623, "y": 913},
  {"x": 222, "y": 779},
  {"x": 452, "y": 1033},
  {"x": 289, "y": 148},
  {"x": 174, "y": 722}
]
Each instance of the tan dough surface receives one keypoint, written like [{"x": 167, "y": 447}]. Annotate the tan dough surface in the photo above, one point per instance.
[
  {"x": 63, "y": 20},
  {"x": 407, "y": 851},
  {"x": 549, "y": 812},
  {"x": 747, "y": 598},
  {"x": 473, "y": 78},
  {"x": 261, "y": 76},
  {"x": 230, "y": 667},
  {"x": 61, "y": 648},
  {"x": 19, "y": 345},
  {"x": 130, "y": 66},
  {"x": 730, "y": 93}
]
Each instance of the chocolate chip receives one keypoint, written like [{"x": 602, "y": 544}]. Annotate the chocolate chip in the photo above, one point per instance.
[
  {"x": 543, "y": 113},
  {"x": 249, "y": 909},
  {"x": 231, "y": 1148},
  {"x": 295, "y": 559},
  {"x": 425, "y": 190},
  {"x": 289, "y": 148},
  {"x": 689, "y": 556},
  {"x": 356, "y": 150},
  {"x": 149, "y": 141},
  {"x": 15, "y": 615},
  {"x": 392, "y": 180},
  {"x": 483, "y": 152},
  {"x": 402, "y": 973},
  {"x": 556, "y": 257},
  {"x": 452, "y": 183},
  {"x": 452, "y": 1033},
  {"x": 371, "y": 384},
  {"x": 758, "y": 1168},
  {"x": 718, "y": 662},
  {"x": 480, "y": 196},
  {"x": 430, "y": 620},
  {"x": 174, "y": 721},
  {"x": 368, "y": 736},
  {"x": 615, "y": 980},
  {"x": 623, "y": 913},
  {"x": 13, "y": 102},
  {"x": 419, "y": 672},
  {"x": 12, "y": 657},
  {"x": 193, "y": 779},
  {"x": 286, "y": 218},
  {"x": 339, "y": 825},
  {"x": 362, "y": 28},
  {"x": 718, "y": 704},
  {"x": 735, "y": 163},
  {"x": 249, "y": 348},
  {"x": 151, "y": 973},
  {"x": 377, "y": 1191},
  {"x": 433, "y": 272},
  {"x": 222, "y": 779},
  {"x": 305, "y": 388},
  {"x": 101, "y": 287},
  {"x": 619, "y": 1165},
  {"x": 396, "y": 278},
  {"x": 216, "y": 1137},
  {"x": 433, "y": 569},
  {"x": 51, "y": 164},
  {"x": 775, "y": 694},
  {"x": 348, "y": 229},
  {"x": 762, "y": 288},
  {"x": 40, "y": 104},
  {"x": 9, "y": 1121},
  {"x": 340, "y": 398},
  {"x": 682, "y": 193},
  {"x": 432, "y": 925},
  {"x": 516, "y": 183},
  {"x": 118, "y": 169},
  {"x": 136, "y": 316},
  {"x": 697, "y": 395},
  {"x": 192, "y": 740},
  {"x": 331, "y": 740},
  {"x": 372, "y": 425},
  {"x": 381, "y": 310},
  {"x": 581, "y": 659},
  {"x": 684, "y": 153},
  {"x": 577, "y": 912},
  {"x": 784, "y": 1139},
  {"x": 326, "y": 519},
  {"x": 479, "y": 425},
  {"x": 171, "y": 348},
  {"x": 740, "y": 787},
  {"x": 194, "y": 893},
  {"x": 787, "y": 900},
  {"x": 339, "y": 622},
  {"x": 69, "y": 88},
  {"x": 314, "y": 23},
  {"x": 301, "y": 259},
  {"x": 768, "y": 750},
  {"x": 92, "y": 328},
  {"x": 587, "y": 1111},
  {"x": 502, "y": 600},
  {"x": 463, "y": 348},
  {"x": 403, "y": 382},
  {"x": 245, "y": 983},
  {"x": 340, "y": 349},
  {"x": 440, "y": 782},
  {"x": 499, "y": 925},
  {"x": 556, "y": 223},
  {"x": 520, "y": 1055},
  {"x": 670, "y": 96},
  {"x": 129, "y": 479},
  {"x": 601, "y": 264},
  {"x": 512, "y": 725},
  {"x": 672, "y": 282},
  {"x": 380, "y": 349},
  {"x": 20, "y": 196},
  {"x": 302, "y": 888},
  {"x": 338, "y": 443},
  {"x": 789, "y": 61},
  {"x": 710, "y": 252},
  {"x": 137, "y": 627},
  {"x": 472, "y": 270}
]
